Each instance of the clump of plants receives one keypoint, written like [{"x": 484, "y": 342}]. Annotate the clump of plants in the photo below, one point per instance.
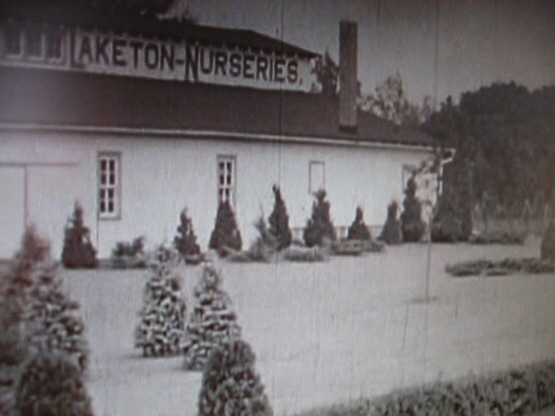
[
  {"x": 391, "y": 231},
  {"x": 78, "y": 251},
  {"x": 358, "y": 229},
  {"x": 261, "y": 250},
  {"x": 306, "y": 254},
  {"x": 446, "y": 226},
  {"x": 319, "y": 228},
  {"x": 498, "y": 237},
  {"x": 226, "y": 237},
  {"x": 279, "y": 222},
  {"x": 161, "y": 329},
  {"x": 129, "y": 254},
  {"x": 502, "y": 267},
  {"x": 230, "y": 384},
  {"x": 185, "y": 241},
  {"x": 412, "y": 226},
  {"x": 51, "y": 384},
  {"x": 39, "y": 329},
  {"x": 213, "y": 321},
  {"x": 548, "y": 243}
]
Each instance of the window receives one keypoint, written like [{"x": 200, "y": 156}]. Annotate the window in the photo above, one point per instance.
[
  {"x": 33, "y": 43},
  {"x": 226, "y": 179},
  {"x": 53, "y": 45},
  {"x": 13, "y": 40},
  {"x": 109, "y": 185},
  {"x": 316, "y": 176}
]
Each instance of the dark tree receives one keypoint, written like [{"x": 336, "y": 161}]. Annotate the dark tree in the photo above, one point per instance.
[
  {"x": 279, "y": 222},
  {"x": 78, "y": 251},
  {"x": 186, "y": 241},
  {"x": 319, "y": 227},
  {"x": 327, "y": 74},
  {"x": 548, "y": 243},
  {"x": 412, "y": 226},
  {"x": 446, "y": 224},
  {"x": 358, "y": 229},
  {"x": 391, "y": 231},
  {"x": 226, "y": 236},
  {"x": 213, "y": 321},
  {"x": 51, "y": 384},
  {"x": 230, "y": 384}
]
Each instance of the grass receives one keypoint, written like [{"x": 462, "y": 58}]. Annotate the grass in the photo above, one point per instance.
[{"x": 331, "y": 332}]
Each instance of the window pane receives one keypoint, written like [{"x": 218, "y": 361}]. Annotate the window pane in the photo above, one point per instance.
[
  {"x": 110, "y": 194},
  {"x": 54, "y": 45},
  {"x": 221, "y": 166},
  {"x": 33, "y": 44},
  {"x": 229, "y": 179},
  {"x": 103, "y": 164},
  {"x": 102, "y": 206},
  {"x": 111, "y": 206},
  {"x": 13, "y": 40},
  {"x": 103, "y": 179},
  {"x": 112, "y": 165},
  {"x": 112, "y": 179},
  {"x": 228, "y": 167},
  {"x": 222, "y": 180}
]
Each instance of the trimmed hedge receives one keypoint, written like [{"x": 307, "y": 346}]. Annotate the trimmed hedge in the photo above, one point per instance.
[{"x": 518, "y": 391}]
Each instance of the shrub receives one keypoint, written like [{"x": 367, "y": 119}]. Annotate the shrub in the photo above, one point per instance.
[
  {"x": 78, "y": 251},
  {"x": 161, "y": 329},
  {"x": 51, "y": 384},
  {"x": 499, "y": 268},
  {"x": 412, "y": 226},
  {"x": 225, "y": 237},
  {"x": 213, "y": 321},
  {"x": 358, "y": 229},
  {"x": 305, "y": 254},
  {"x": 129, "y": 255},
  {"x": 498, "y": 237},
  {"x": 447, "y": 227},
  {"x": 548, "y": 243},
  {"x": 186, "y": 241},
  {"x": 230, "y": 384},
  {"x": 279, "y": 222},
  {"x": 319, "y": 227},
  {"x": 391, "y": 231},
  {"x": 262, "y": 249}
]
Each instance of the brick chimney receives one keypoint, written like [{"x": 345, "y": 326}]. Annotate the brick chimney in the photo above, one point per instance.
[{"x": 348, "y": 82}]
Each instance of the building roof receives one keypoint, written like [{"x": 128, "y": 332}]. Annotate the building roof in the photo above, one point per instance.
[
  {"x": 74, "y": 99},
  {"x": 78, "y": 14}
]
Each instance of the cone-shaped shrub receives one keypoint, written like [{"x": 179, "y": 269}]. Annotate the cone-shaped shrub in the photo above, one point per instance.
[
  {"x": 186, "y": 241},
  {"x": 279, "y": 222},
  {"x": 319, "y": 227},
  {"x": 391, "y": 231},
  {"x": 226, "y": 236},
  {"x": 358, "y": 229},
  {"x": 78, "y": 251},
  {"x": 548, "y": 243},
  {"x": 230, "y": 384},
  {"x": 412, "y": 226},
  {"x": 52, "y": 322},
  {"x": 212, "y": 322},
  {"x": 51, "y": 383},
  {"x": 161, "y": 328}
]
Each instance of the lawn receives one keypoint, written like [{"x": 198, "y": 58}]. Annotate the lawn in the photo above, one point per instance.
[{"x": 329, "y": 332}]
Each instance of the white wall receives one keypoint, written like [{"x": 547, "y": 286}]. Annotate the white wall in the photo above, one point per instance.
[{"x": 160, "y": 176}]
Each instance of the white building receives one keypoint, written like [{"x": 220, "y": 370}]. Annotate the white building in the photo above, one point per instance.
[{"x": 137, "y": 124}]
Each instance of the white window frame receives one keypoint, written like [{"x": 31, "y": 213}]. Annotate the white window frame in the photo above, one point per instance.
[
  {"x": 109, "y": 185},
  {"x": 226, "y": 171},
  {"x": 312, "y": 166}
]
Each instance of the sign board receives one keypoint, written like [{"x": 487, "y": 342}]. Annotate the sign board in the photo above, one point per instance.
[{"x": 107, "y": 53}]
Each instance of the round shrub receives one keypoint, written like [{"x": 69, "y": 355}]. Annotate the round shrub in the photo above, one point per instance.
[
  {"x": 230, "y": 384},
  {"x": 186, "y": 241},
  {"x": 412, "y": 226},
  {"x": 51, "y": 384},
  {"x": 391, "y": 231}
]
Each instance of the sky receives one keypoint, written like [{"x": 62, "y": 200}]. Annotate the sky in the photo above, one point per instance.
[{"x": 439, "y": 47}]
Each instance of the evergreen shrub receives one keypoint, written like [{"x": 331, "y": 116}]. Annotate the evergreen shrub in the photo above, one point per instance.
[
  {"x": 319, "y": 228},
  {"x": 213, "y": 321},
  {"x": 412, "y": 226},
  {"x": 129, "y": 255},
  {"x": 391, "y": 231},
  {"x": 358, "y": 229},
  {"x": 51, "y": 383},
  {"x": 78, "y": 251},
  {"x": 186, "y": 241},
  {"x": 306, "y": 254},
  {"x": 548, "y": 243},
  {"x": 446, "y": 225},
  {"x": 161, "y": 329},
  {"x": 230, "y": 384},
  {"x": 225, "y": 237},
  {"x": 279, "y": 222}
]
